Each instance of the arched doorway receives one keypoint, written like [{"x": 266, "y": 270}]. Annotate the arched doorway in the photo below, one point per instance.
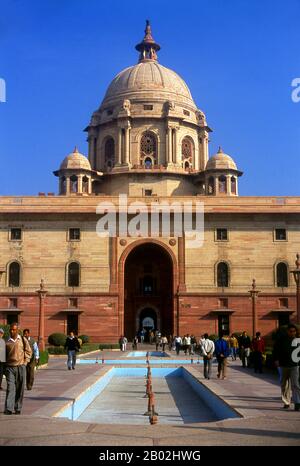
[
  {"x": 148, "y": 289},
  {"x": 148, "y": 320}
]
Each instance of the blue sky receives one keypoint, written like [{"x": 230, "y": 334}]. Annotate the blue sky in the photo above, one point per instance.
[{"x": 238, "y": 57}]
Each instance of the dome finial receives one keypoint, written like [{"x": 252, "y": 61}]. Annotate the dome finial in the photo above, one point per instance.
[
  {"x": 75, "y": 150},
  {"x": 148, "y": 47},
  {"x": 220, "y": 150}
]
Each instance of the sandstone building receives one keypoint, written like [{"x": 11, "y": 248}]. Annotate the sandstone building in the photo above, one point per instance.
[{"x": 150, "y": 142}]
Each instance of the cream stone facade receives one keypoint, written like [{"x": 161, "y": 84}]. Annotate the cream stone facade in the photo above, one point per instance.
[{"x": 148, "y": 141}]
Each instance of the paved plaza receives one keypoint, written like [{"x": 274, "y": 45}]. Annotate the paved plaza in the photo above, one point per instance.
[{"x": 115, "y": 417}]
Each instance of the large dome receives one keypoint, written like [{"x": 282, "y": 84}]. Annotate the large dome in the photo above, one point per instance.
[{"x": 148, "y": 79}]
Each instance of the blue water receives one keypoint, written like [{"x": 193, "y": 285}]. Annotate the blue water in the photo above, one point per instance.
[
  {"x": 138, "y": 361},
  {"x": 74, "y": 409},
  {"x": 141, "y": 354}
]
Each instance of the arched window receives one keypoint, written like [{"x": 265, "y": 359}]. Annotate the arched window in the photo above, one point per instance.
[
  {"x": 222, "y": 275},
  {"x": 186, "y": 149},
  {"x": 14, "y": 274},
  {"x": 109, "y": 153},
  {"x": 186, "y": 166},
  {"x": 211, "y": 185},
  {"x": 222, "y": 184},
  {"x": 282, "y": 275},
  {"x": 148, "y": 147},
  {"x": 233, "y": 185},
  {"x": 73, "y": 274},
  {"x": 73, "y": 184},
  {"x": 85, "y": 184},
  {"x": 148, "y": 162}
]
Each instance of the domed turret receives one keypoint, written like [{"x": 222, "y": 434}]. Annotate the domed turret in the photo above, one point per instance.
[
  {"x": 75, "y": 174},
  {"x": 221, "y": 175}
]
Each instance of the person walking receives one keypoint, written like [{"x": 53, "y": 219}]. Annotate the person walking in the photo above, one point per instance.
[
  {"x": 30, "y": 368},
  {"x": 72, "y": 346},
  {"x": 234, "y": 344},
  {"x": 178, "y": 343},
  {"x": 207, "y": 350},
  {"x": 164, "y": 342},
  {"x": 244, "y": 345},
  {"x": 258, "y": 347},
  {"x": 135, "y": 343},
  {"x": 18, "y": 354},
  {"x": 2, "y": 356},
  {"x": 286, "y": 356},
  {"x": 222, "y": 353}
]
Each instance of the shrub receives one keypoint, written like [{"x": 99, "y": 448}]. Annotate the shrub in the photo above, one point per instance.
[
  {"x": 56, "y": 350},
  {"x": 213, "y": 337},
  {"x": 84, "y": 338},
  {"x": 109, "y": 346},
  {"x": 57, "y": 339},
  {"x": 44, "y": 356}
]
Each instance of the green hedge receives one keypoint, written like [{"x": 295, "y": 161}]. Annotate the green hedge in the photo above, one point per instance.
[
  {"x": 56, "y": 350},
  {"x": 44, "y": 356},
  {"x": 84, "y": 338},
  {"x": 85, "y": 348},
  {"x": 109, "y": 346}
]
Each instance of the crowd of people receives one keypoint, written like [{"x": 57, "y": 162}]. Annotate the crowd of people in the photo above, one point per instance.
[{"x": 19, "y": 355}]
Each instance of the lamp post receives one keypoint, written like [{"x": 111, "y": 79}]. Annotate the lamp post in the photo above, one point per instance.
[
  {"x": 254, "y": 293},
  {"x": 296, "y": 273},
  {"x": 42, "y": 294}
]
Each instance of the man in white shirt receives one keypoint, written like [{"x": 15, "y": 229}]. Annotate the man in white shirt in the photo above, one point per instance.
[{"x": 207, "y": 348}]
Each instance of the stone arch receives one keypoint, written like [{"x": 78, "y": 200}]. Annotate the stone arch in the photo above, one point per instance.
[
  {"x": 281, "y": 274},
  {"x": 121, "y": 278},
  {"x": 218, "y": 273},
  {"x": 10, "y": 272}
]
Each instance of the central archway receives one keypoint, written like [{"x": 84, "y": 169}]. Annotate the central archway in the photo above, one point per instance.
[{"x": 149, "y": 289}]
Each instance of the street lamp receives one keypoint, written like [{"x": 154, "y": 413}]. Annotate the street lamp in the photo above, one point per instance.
[
  {"x": 254, "y": 293},
  {"x": 296, "y": 273},
  {"x": 42, "y": 294}
]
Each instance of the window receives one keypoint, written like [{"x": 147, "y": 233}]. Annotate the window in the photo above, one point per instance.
[
  {"x": 12, "y": 319},
  {"x": 223, "y": 325},
  {"x": 15, "y": 234},
  {"x": 73, "y": 184},
  {"x": 73, "y": 274},
  {"x": 222, "y": 275},
  {"x": 148, "y": 107},
  {"x": 74, "y": 234},
  {"x": 109, "y": 153},
  {"x": 109, "y": 111},
  {"x": 233, "y": 185},
  {"x": 211, "y": 185},
  {"x": 222, "y": 234},
  {"x": 13, "y": 303},
  {"x": 14, "y": 274},
  {"x": 186, "y": 149},
  {"x": 148, "y": 147},
  {"x": 280, "y": 234},
  {"x": 283, "y": 302},
  {"x": 282, "y": 275},
  {"x": 223, "y": 302},
  {"x": 72, "y": 323},
  {"x": 85, "y": 184},
  {"x": 73, "y": 302},
  {"x": 186, "y": 112},
  {"x": 283, "y": 319},
  {"x": 148, "y": 192},
  {"x": 222, "y": 184},
  {"x": 148, "y": 162}
]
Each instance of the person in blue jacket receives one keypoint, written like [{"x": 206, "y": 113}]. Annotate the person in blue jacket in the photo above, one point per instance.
[{"x": 222, "y": 352}]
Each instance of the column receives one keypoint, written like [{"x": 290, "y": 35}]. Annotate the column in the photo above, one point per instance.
[
  {"x": 119, "y": 153},
  {"x": 228, "y": 184},
  {"x": 127, "y": 146},
  {"x": 113, "y": 250},
  {"x": 176, "y": 151},
  {"x": 169, "y": 149},
  {"x": 181, "y": 263},
  {"x": 79, "y": 183},
  {"x": 67, "y": 185}
]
